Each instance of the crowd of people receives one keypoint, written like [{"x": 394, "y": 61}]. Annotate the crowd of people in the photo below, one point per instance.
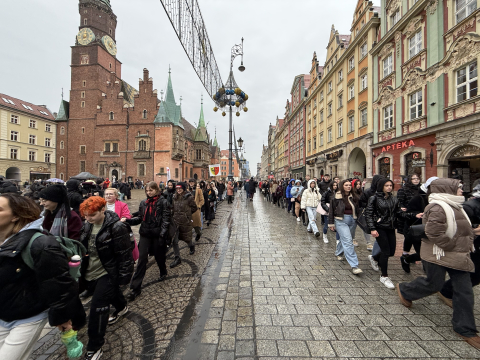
[
  {"x": 36, "y": 271},
  {"x": 63, "y": 243},
  {"x": 436, "y": 218}
]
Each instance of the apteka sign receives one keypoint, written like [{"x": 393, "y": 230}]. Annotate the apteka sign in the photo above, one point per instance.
[{"x": 398, "y": 145}]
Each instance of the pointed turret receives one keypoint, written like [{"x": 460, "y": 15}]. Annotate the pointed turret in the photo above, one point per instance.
[
  {"x": 63, "y": 111},
  {"x": 201, "y": 133},
  {"x": 169, "y": 111}
]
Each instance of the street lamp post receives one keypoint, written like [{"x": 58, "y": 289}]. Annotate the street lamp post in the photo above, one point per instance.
[{"x": 231, "y": 95}]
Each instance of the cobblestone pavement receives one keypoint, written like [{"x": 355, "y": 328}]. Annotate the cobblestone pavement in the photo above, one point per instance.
[{"x": 269, "y": 290}]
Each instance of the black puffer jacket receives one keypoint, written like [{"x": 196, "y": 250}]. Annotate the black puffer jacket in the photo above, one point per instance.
[
  {"x": 472, "y": 208},
  {"x": 415, "y": 206},
  {"x": 74, "y": 194},
  {"x": 323, "y": 186},
  {"x": 27, "y": 292},
  {"x": 370, "y": 191},
  {"x": 326, "y": 196},
  {"x": 156, "y": 227},
  {"x": 113, "y": 246},
  {"x": 404, "y": 196},
  {"x": 381, "y": 212}
]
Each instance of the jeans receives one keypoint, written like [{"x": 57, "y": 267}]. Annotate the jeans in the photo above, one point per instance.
[
  {"x": 201, "y": 218},
  {"x": 159, "y": 251},
  {"x": 230, "y": 199},
  {"x": 122, "y": 196},
  {"x": 463, "y": 320},
  {"x": 346, "y": 230},
  {"x": 388, "y": 242},
  {"x": 447, "y": 289},
  {"x": 312, "y": 216},
  {"x": 17, "y": 343},
  {"x": 106, "y": 292},
  {"x": 290, "y": 203},
  {"x": 368, "y": 239}
]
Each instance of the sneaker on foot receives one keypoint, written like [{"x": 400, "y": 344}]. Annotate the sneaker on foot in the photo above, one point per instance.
[
  {"x": 369, "y": 247},
  {"x": 340, "y": 258},
  {"x": 310, "y": 231},
  {"x": 446, "y": 300},
  {"x": 355, "y": 242},
  {"x": 325, "y": 238},
  {"x": 93, "y": 355},
  {"x": 385, "y": 280},
  {"x": 405, "y": 265},
  {"x": 298, "y": 219},
  {"x": 356, "y": 271},
  {"x": 117, "y": 315},
  {"x": 373, "y": 263}
]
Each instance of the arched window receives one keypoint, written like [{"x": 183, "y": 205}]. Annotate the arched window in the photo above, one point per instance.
[
  {"x": 61, "y": 176},
  {"x": 142, "y": 145},
  {"x": 145, "y": 112},
  {"x": 62, "y": 160},
  {"x": 62, "y": 130},
  {"x": 110, "y": 115},
  {"x": 62, "y": 145}
]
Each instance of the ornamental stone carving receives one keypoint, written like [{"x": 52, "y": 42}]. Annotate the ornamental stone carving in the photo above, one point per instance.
[
  {"x": 412, "y": 26},
  {"x": 467, "y": 27},
  {"x": 386, "y": 135},
  {"x": 387, "y": 48},
  {"x": 414, "y": 126},
  {"x": 464, "y": 110},
  {"x": 450, "y": 115},
  {"x": 393, "y": 6},
  {"x": 431, "y": 7},
  {"x": 462, "y": 138},
  {"x": 413, "y": 80}
]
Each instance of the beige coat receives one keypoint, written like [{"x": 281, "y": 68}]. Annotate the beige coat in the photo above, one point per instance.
[
  {"x": 196, "y": 216},
  {"x": 457, "y": 250}
]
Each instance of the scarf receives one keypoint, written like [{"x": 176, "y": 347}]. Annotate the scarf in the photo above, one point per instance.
[
  {"x": 60, "y": 226},
  {"x": 151, "y": 208},
  {"x": 448, "y": 202}
]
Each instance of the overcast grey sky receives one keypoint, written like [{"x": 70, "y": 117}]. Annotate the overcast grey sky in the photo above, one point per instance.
[{"x": 280, "y": 38}]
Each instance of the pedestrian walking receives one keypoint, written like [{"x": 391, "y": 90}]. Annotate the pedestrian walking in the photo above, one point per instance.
[
  {"x": 197, "y": 194},
  {"x": 295, "y": 192},
  {"x": 367, "y": 194},
  {"x": 210, "y": 198},
  {"x": 108, "y": 265},
  {"x": 405, "y": 194},
  {"x": 252, "y": 188},
  {"x": 115, "y": 205},
  {"x": 31, "y": 297},
  {"x": 230, "y": 190},
  {"x": 288, "y": 195},
  {"x": 154, "y": 216},
  {"x": 310, "y": 199},
  {"x": 380, "y": 215},
  {"x": 446, "y": 249},
  {"x": 58, "y": 218},
  {"x": 341, "y": 217},
  {"x": 325, "y": 204},
  {"x": 74, "y": 194}
]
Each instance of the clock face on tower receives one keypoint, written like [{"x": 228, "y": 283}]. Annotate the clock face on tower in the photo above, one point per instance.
[
  {"x": 110, "y": 45},
  {"x": 85, "y": 36}
]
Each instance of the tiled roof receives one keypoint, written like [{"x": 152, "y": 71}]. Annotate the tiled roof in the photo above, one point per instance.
[
  {"x": 63, "y": 111},
  {"x": 128, "y": 92},
  {"x": 189, "y": 129},
  {"x": 169, "y": 111},
  {"x": 344, "y": 39},
  {"x": 20, "y": 105},
  {"x": 225, "y": 153}
]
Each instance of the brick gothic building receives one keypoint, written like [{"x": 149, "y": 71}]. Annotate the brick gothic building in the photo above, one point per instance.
[{"x": 109, "y": 128}]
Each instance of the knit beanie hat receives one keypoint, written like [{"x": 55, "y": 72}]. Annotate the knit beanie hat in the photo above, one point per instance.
[
  {"x": 425, "y": 186},
  {"x": 55, "y": 193},
  {"x": 181, "y": 185}
]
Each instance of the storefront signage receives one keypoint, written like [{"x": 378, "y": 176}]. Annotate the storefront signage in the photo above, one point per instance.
[
  {"x": 418, "y": 163},
  {"x": 466, "y": 151},
  {"x": 335, "y": 155},
  {"x": 398, "y": 145}
]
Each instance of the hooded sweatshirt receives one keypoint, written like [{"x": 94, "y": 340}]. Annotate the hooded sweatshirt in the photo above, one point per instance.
[
  {"x": 289, "y": 188},
  {"x": 296, "y": 189}
]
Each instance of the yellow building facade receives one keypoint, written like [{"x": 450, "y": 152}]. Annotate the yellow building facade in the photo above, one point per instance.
[
  {"x": 339, "y": 120},
  {"x": 27, "y": 140}
]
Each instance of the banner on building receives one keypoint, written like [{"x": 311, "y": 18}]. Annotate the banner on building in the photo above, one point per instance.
[
  {"x": 214, "y": 170},
  {"x": 168, "y": 173}
]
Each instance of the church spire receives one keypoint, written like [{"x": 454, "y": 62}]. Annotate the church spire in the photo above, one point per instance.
[
  {"x": 215, "y": 143},
  {"x": 170, "y": 97},
  {"x": 201, "y": 121}
]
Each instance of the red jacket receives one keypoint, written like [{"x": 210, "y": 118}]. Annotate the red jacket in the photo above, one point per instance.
[{"x": 121, "y": 209}]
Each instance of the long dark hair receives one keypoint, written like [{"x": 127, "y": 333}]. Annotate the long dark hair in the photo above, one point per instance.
[
  {"x": 345, "y": 196},
  {"x": 330, "y": 186},
  {"x": 409, "y": 185}
]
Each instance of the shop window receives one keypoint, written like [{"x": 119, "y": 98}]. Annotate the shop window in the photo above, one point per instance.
[
  {"x": 464, "y": 8},
  {"x": 384, "y": 167},
  {"x": 467, "y": 82},
  {"x": 409, "y": 168},
  {"x": 388, "y": 65},
  {"x": 415, "y": 43},
  {"x": 416, "y": 103},
  {"x": 388, "y": 117}
]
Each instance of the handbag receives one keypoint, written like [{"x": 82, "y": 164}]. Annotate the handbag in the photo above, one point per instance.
[
  {"x": 417, "y": 232},
  {"x": 362, "y": 222},
  {"x": 321, "y": 210}
]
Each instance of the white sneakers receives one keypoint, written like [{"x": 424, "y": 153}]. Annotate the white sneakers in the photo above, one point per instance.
[
  {"x": 298, "y": 219},
  {"x": 387, "y": 282},
  {"x": 325, "y": 238},
  {"x": 356, "y": 271},
  {"x": 373, "y": 263},
  {"x": 340, "y": 258}
]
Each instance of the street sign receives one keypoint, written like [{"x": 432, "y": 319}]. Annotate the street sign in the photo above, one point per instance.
[{"x": 418, "y": 163}]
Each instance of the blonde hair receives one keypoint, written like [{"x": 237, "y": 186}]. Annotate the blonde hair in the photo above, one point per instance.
[{"x": 114, "y": 190}]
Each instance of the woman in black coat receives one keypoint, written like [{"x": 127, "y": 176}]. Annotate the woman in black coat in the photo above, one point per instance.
[
  {"x": 31, "y": 296},
  {"x": 210, "y": 197},
  {"x": 154, "y": 215},
  {"x": 406, "y": 193}
]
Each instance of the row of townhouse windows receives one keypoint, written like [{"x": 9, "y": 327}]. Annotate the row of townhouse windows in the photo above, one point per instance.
[
  {"x": 466, "y": 88},
  {"x": 32, "y": 155},
  {"x": 32, "y": 139},
  {"x": 15, "y": 119}
]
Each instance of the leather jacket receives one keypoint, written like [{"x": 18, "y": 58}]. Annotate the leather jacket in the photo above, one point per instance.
[
  {"x": 155, "y": 227},
  {"x": 381, "y": 212}
]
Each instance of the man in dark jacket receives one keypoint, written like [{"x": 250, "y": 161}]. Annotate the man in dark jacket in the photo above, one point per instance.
[
  {"x": 368, "y": 193},
  {"x": 107, "y": 266},
  {"x": 221, "y": 190},
  {"x": 74, "y": 194},
  {"x": 252, "y": 186},
  {"x": 124, "y": 190},
  {"x": 323, "y": 185}
]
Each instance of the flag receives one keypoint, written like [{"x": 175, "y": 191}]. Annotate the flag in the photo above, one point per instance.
[
  {"x": 168, "y": 173},
  {"x": 214, "y": 170}
]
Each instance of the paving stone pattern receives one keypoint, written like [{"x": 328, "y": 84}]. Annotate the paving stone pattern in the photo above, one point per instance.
[{"x": 269, "y": 290}]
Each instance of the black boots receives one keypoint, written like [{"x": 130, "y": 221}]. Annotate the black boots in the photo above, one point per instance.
[{"x": 175, "y": 262}]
